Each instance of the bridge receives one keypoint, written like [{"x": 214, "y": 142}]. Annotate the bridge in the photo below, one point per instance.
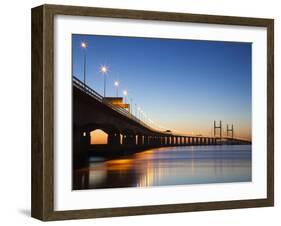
[{"x": 127, "y": 134}]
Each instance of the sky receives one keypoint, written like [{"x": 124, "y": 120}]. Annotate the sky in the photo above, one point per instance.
[{"x": 181, "y": 85}]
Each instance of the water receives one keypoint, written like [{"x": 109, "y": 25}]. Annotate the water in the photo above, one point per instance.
[{"x": 169, "y": 166}]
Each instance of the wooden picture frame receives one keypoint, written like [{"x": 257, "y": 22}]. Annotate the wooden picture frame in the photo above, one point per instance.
[{"x": 43, "y": 110}]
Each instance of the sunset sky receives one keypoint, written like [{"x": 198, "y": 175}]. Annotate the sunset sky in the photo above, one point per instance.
[{"x": 182, "y": 85}]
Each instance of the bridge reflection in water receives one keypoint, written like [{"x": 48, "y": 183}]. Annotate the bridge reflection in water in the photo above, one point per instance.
[{"x": 168, "y": 166}]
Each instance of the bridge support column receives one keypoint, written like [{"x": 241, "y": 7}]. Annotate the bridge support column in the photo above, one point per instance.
[
  {"x": 176, "y": 140},
  {"x": 133, "y": 140},
  {"x": 188, "y": 140},
  {"x": 162, "y": 141},
  {"x": 140, "y": 139},
  {"x": 172, "y": 140},
  {"x": 168, "y": 141},
  {"x": 81, "y": 144},
  {"x": 145, "y": 140},
  {"x": 150, "y": 140},
  {"x": 181, "y": 140},
  {"x": 129, "y": 139},
  {"x": 159, "y": 142},
  {"x": 125, "y": 139},
  {"x": 113, "y": 139},
  {"x": 184, "y": 141},
  {"x": 156, "y": 140}
]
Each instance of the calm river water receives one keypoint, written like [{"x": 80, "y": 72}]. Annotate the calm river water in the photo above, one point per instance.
[{"x": 169, "y": 166}]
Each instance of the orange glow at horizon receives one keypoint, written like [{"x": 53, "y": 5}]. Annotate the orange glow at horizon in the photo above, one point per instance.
[{"x": 98, "y": 137}]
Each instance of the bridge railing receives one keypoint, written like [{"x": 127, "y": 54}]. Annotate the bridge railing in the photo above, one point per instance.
[{"x": 88, "y": 90}]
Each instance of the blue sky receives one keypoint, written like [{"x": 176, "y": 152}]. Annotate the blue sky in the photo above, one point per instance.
[{"x": 182, "y": 85}]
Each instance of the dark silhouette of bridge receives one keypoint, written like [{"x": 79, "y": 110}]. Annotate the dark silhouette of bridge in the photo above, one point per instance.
[{"x": 126, "y": 133}]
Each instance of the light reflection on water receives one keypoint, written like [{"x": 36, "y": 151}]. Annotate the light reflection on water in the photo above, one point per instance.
[{"x": 169, "y": 166}]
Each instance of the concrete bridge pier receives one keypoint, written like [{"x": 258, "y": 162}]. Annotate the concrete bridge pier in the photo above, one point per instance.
[
  {"x": 148, "y": 141},
  {"x": 168, "y": 141},
  {"x": 129, "y": 139},
  {"x": 140, "y": 139},
  {"x": 204, "y": 140},
  {"x": 189, "y": 140},
  {"x": 177, "y": 141},
  {"x": 113, "y": 139},
  {"x": 158, "y": 140},
  {"x": 163, "y": 141},
  {"x": 145, "y": 140},
  {"x": 181, "y": 140},
  {"x": 151, "y": 140},
  {"x": 172, "y": 140},
  {"x": 215, "y": 141},
  {"x": 81, "y": 143}
]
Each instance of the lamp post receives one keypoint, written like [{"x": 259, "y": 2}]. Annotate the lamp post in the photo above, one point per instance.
[
  {"x": 139, "y": 109},
  {"x": 125, "y": 93},
  {"x": 116, "y": 84},
  {"x": 104, "y": 70},
  {"x": 131, "y": 105},
  {"x": 84, "y": 47}
]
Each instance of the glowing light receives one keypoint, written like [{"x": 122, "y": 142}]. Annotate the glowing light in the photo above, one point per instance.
[
  {"x": 84, "y": 45},
  {"x": 125, "y": 92},
  {"x": 103, "y": 69},
  {"x": 116, "y": 83}
]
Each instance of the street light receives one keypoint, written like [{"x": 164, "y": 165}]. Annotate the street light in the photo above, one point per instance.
[
  {"x": 84, "y": 46},
  {"x": 131, "y": 105},
  {"x": 139, "y": 109},
  {"x": 104, "y": 70},
  {"x": 116, "y": 84},
  {"x": 125, "y": 93}
]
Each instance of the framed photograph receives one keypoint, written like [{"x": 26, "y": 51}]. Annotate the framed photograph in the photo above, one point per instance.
[{"x": 141, "y": 112}]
